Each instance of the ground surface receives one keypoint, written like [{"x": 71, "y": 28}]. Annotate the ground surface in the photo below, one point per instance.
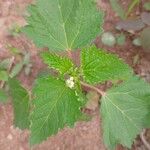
[{"x": 85, "y": 136}]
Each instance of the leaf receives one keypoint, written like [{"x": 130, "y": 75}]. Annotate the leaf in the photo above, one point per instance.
[
  {"x": 63, "y": 24},
  {"x": 16, "y": 70},
  {"x": 117, "y": 8},
  {"x": 123, "y": 110},
  {"x": 26, "y": 59},
  {"x": 131, "y": 6},
  {"x": 62, "y": 64},
  {"x": 28, "y": 69},
  {"x": 55, "y": 106},
  {"x": 21, "y": 104},
  {"x": 121, "y": 39},
  {"x": 147, "y": 6},
  {"x": 3, "y": 96},
  {"x": 98, "y": 66},
  {"x": 5, "y": 63},
  {"x": 3, "y": 75}
]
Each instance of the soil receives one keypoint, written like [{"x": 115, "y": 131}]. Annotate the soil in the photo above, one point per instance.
[{"x": 85, "y": 135}]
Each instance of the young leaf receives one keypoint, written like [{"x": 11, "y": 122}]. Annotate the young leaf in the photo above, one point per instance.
[
  {"x": 16, "y": 70},
  {"x": 99, "y": 66},
  {"x": 4, "y": 64},
  {"x": 131, "y": 6},
  {"x": 3, "y": 75},
  {"x": 121, "y": 39},
  {"x": 124, "y": 109},
  {"x": 117, "y": 8},
  {"x": 63, "y": 24},
  {"x": 3, "y": 96},
  {"x": 21, "y": 105},
  {"x": 55, "y": 106},
  {"x": 62, "y": 64},
  {"x": 26, "y": 59}
]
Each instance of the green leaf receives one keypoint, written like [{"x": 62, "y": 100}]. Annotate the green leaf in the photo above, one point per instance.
[
  {"x": 63, "y": 24},
  {"x": 121, "y": 39},
  {"x": 123, "y": 110},
  {"x": 4, "y": 64},
  {"x": 21, "y": 104},
  {"x": 99, "y": 66},
  {"x": 3, "y": 75},
  {"x": 131, "y": 6},
  {"x": 62, "y": 64},
  {"x": 55, "y": 106},
  {"x": 26, "y": 59},
  {"x": 117, "y": 8},
  {"x": 147, "y": 6},
  {"x": 3, "y": 96},
  {"x": 16, "y": 70}
]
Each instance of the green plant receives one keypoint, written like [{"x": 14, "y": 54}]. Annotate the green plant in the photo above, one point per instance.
[
  {"x": 118, "y": 8},
  {"x": 66, "y": 25}
]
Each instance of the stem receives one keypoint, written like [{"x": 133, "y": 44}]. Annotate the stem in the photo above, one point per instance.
[
  {"x": 147, "y": 145},
  {"x": 102, "y": 93},
  {"x": 69, "y": 53}
]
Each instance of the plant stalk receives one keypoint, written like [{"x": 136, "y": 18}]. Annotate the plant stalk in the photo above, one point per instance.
[{"x": 102, "y": 93}]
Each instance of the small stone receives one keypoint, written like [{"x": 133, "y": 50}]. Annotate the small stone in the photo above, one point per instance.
[
  {"x": 145, "y": 16},
  {"x": 21, "y": 148},
  {"x": 130, "y": 25},
  {"x": 108, "y": 39},
  {"x": 9, "y": 137}
]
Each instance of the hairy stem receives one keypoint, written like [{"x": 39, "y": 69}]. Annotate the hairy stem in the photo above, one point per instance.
[
  {"x": 147, "y": 145},
  {"x": 69, "y": 54},
  {"x": 102, "y": 93}
]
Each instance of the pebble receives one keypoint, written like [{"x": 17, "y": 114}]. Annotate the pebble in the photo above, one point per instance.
[{"x": 9, "y": 137}]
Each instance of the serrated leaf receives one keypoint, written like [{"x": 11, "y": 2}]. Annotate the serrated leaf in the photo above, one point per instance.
[
  {"x": 62, "y": 64},
  {"x": 3, "y": 75},
  {"x": 123, "y": 110},
  {"x": 63, "y": 24},
  {"x": 20, "y": 98},
  {"x": 99, "y": 66},
  {"x": 55, "y": 106},
  {"x": 3, "y": 96},
  {"x": 4, "y": 64},
  {"x": 16, "y": 70}
]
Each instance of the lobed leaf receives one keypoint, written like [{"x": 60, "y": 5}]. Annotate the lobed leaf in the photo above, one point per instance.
[
  {"x": 21, "y": 104},
  {"x": 124, "y": 109},
  {"x": 61, "y": 64},
  {"x": 63, "y": 24},
  {"x": 99, "y": 66},
  {"x": 55, "y": 106}
]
